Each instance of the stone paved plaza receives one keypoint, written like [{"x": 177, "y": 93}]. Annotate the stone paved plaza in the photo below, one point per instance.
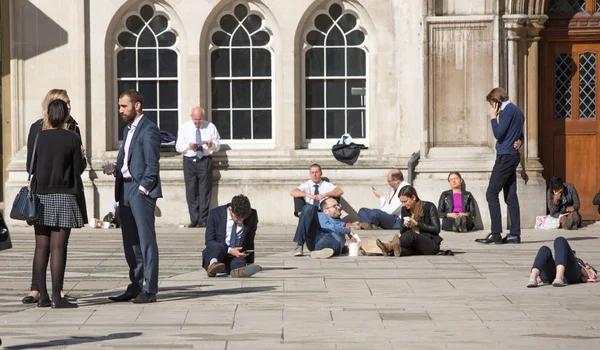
[{"x": 474, "y": 300}]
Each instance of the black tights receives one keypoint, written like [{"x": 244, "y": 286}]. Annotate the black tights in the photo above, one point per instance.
[
  {"x": 34, "y": 286},
  {"x": 50, "y": 242}
]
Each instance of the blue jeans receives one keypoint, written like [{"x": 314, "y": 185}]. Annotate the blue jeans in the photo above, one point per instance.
[
  {"x": 379, "y": 217},
  {"x": 564, "y": 256},
  {"x": 326, "y": 240},
  {"x": 308, "y": 227}
]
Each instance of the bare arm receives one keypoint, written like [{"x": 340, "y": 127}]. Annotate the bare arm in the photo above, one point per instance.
[
  {"x": 296, "y": 193},
  {"x": 336, "y": 192}
]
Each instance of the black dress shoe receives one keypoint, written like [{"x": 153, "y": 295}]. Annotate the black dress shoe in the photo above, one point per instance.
[
  {"x": 145, "y": 298},
  {"x": 202, "y": 224},
  {"x": 491, "y": 238},
  {"x": 512, "y": 239},
  {"x": 70, "y": 298},
  {"x": 123, "y": 297},
  {"x": 191, "y": 225},
  {"x": 44, "y": 303},
  {"x": 63, "y": 304},
  {"x": 29, "y": 300}
]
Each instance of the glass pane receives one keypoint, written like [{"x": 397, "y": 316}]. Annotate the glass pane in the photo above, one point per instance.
[
  {"x": 347, "y": 22},
  {"x": 315, "y": 61},
  {"x": 220, "y": 94},
  {"x": 126, "y": 63},
  {"x": 123, "y": 86},
  {"x": 168, "y": 94},
  {"x": 222, "y": 122},
  {"x": 169, "y": 121},
  {"x": 147, "y": 63},
  {"x": 159, "y": 24},
  {"x": 315, "y": 125},
  {"x": 356, "y": 123},
  {"x": 252, "y": 23},
  {"x": 228, "y": 23},
  {"x": 357, "y": 62},
  {"x": 240, "y": 38},
  {"x": 126, "y": 39},
  {"x": 240, "y": 12},
  {"x": 323, "y": 23},
  {"x": 261, "y": 38},
  {"x": 220, "y": 63},
  {"x": 167, "y": 60},
  {"x": 335, "y": 38},
  {"x": 240, "y": 90},
  {"x": 147, "y": 39},
  {"x": 336, "y": 126},
  {"x": 220, "y": 38},
  {"x": 355, "y": 38},
  {"x": 336, "y": 93},
  {"x": 261, "y": 93},
  {"x": 147, "y": 12},
  {"x": 151, "y": 115},
  {"x": 566, "y": 6},
  {"x": 134, "y": 24},
  {"x": 261, "y": 63},
  {"x": 563, "y": 72},
  {"x": 315, "y": 93},
  {"x": 167, "y": 39},
  {"x": 356, "y": 99},
  {"x": 262, "y": 124},
  {"x": 587, "y": 85},
  {"x": 241, "y": 125},
  {"x": 336, "y": 62},
  {"x": 335, "y": 11},
  {"x": 148, "y": 90},
  {"x": 315, "y": 38},
  {"x": 240, "y": 62}
]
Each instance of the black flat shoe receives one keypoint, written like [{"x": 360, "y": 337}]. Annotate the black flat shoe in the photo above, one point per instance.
[
  {"x": 512, "y": 239},
  {"x": 491, "y": 238},
  {"x": 202, "y": 224},
  {"x": 123, "y": 297},
  {"x": 63, "y": 304},
  {"x": 145, "y": 298},
  {"x": 44, "y": 303},
  {"x": 29, "y": 300},
  {"x": 69, "y": 298}
]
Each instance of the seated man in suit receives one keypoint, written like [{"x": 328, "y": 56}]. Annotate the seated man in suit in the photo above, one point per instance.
[
  {"x": 324, "y": 232},
  {"x": 229, "y": 239}
]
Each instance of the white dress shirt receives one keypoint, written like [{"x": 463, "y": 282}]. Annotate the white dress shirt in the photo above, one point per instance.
[
  {"x": 125, "y": 168},
  {"x": 187, "y": 134},
  {"x": 239, "y": 229},
  {"x": 389, "y": 206},
  {"x": 309, "y": 187}
]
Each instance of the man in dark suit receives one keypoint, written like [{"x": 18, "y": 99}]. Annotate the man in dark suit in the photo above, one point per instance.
[
  {"x": 137, "y": 187},
  {"x": 229, "y": 237}
]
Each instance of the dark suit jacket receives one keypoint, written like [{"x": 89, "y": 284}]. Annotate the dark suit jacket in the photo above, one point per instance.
[
  {"x": 429, "y": 223},
  {"x": 143, "y": 162},
  {"x": 216, "y": 229}
]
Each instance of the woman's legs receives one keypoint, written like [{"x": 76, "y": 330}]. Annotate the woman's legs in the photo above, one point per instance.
[
  {"x": 412, "y": 243},
  {"x": 448, "y": 224},
  {"x": 58, "y": 251},
  {"x": 40, "y": 259},
  {"x": 567, "y": 268},
  {"x": 543, "y": 265}
]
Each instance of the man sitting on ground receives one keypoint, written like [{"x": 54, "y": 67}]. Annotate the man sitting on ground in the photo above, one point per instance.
[
  {"x": 563, "y": 201},
  {"x": 324, "y": 232},
  {"x": 229, "y": 239},
  {"x": 388, "y": 217}
]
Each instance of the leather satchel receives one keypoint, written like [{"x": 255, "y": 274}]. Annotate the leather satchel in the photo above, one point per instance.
[{"x": 25, "y": 204}]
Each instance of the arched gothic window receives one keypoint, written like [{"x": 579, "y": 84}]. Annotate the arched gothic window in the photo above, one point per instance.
[
  {"x": 241, "y": 77},
  {"x": 147, "y": 61},
  {"x": 335, "y": 76}
]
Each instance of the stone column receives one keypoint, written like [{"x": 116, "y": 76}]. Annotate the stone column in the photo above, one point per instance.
[{"x": 515, "y": 35}]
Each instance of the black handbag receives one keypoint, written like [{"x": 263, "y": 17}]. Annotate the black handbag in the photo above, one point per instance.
[
  {"x": 5, "y": 242},
  {"x": 25, "y": 204}
]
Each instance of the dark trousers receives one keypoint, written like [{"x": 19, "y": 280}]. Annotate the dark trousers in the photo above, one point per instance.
[
  {"x": 413, "y": 243},
  {"x": 448, "y": 223},
  {"x": 218, "y": 250},
  {"x": 197, "y": 174},
  {"x": 504, "y": 178},
  {"x": 308, "y": 227},
  {"x": 326, "y": 240},
  {"x": 564, "y": 256},
  {"x": 379, "y": 217},
  {"x": 139, "y": 239}
]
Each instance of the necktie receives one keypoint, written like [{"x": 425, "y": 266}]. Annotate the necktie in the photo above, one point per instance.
[
  {"x": 316, "y": 202},
  {"x": 233, "y": 238},
  {"x": 199, "y": 144},
  {"x": 393, "y": 194}
]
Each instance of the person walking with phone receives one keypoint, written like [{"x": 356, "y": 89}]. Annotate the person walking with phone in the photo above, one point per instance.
[
  {"x": 507, "y": 124},
  {"x": 229, "y": 239}
]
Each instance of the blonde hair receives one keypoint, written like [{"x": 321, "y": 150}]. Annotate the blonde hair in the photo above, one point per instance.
[{"x": 54, "y": 94}]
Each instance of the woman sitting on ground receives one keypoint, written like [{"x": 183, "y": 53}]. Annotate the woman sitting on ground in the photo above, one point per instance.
[
  {"x": 562, "y": 199},
  {"x": 566, "y": 269},
  {"x": 456, "y": 206},
  {"x": 420, "y": 232}
]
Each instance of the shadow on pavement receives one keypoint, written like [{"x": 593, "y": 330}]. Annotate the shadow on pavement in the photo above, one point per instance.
[
  {"x": 74, "y": 341},
  {"x": 583, "y": 238}
]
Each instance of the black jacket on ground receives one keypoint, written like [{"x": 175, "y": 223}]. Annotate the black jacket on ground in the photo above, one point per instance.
[{"x": 429, "y": 223}]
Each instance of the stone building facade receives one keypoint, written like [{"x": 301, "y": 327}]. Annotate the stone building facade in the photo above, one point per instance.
[{"x": 282, "y": 80}]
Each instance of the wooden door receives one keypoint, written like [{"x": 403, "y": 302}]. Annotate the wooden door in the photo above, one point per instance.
[{"x": 569, "y": 118}]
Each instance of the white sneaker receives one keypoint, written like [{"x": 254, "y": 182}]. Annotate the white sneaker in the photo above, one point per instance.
[
  {"x": 322, "y": 254},
  {"x": 299, "y": 250}
]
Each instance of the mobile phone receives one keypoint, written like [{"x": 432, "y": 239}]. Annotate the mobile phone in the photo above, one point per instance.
[
  {"x": 373, "y": 188},
  {"x": 248, "y": 251}
]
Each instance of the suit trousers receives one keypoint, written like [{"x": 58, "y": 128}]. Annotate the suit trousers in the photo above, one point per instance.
[
  {"x": 308, "y": 227},
  {"x": 197, "y": 174},
  {"x": 504, "y": 178},
  {"x": 380, "y": 218},
  {"x": 564, "y": 256},
  {"x": 139, "y": 239},
  {"x": 413, "y": 243},
  {"x": 218, "y": 250}
]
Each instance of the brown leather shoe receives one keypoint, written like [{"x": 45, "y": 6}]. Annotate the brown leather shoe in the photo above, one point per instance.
[
  {"x": 364, "y": 225},
  {"x": 396, "y": 245},
  {"x": 214, "y": 269},
  {"x": 384, "y": 246}
]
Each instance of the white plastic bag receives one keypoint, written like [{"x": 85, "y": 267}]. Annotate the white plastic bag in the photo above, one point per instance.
[{"x": 546, "y": 222}]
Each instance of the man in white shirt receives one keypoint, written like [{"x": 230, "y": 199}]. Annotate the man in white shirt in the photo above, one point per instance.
[
  {"x": 198, "y": 139},
  {"x": 388, "y": 216},
  {"x": 309, "y": 194}
]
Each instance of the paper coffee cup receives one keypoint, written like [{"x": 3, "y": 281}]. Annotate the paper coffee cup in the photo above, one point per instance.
[
  {"x": 93, "y": 223},
  {"x": 105, "y": 224},
  {"x": 353, "y": 249},
  {"x": 406, "y": 218}
]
